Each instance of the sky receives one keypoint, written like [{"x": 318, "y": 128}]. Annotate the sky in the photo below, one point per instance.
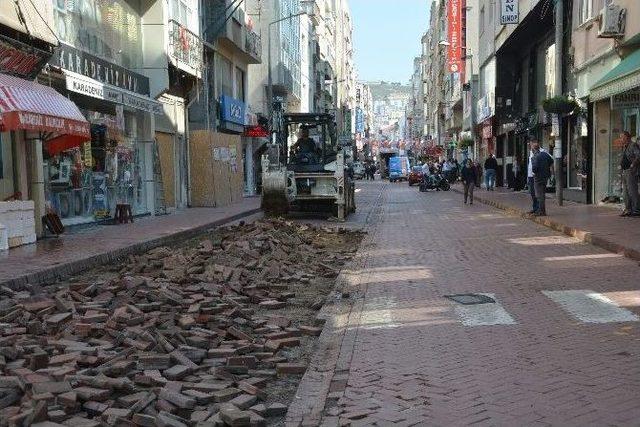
[{"x": 387, "y": 37}]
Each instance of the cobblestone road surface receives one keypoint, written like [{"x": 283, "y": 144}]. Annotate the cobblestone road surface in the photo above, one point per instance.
[{"x": 418, "y": 358}]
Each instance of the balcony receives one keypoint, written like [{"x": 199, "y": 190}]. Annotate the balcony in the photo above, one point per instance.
[
  {"x": 185, "y": 49},
  {"x": 233, "y": 35},
  {"x": 253, "y": 46}
]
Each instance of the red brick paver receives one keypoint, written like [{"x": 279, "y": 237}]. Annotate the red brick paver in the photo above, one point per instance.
[
  {"x": 82, "y": 248},
  {"x": 405, "y": 358}
]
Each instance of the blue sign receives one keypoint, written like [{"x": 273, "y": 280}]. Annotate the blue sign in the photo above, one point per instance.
[
  {"x": 359, "y": 120},
  {"x": 233, "y": 110}
]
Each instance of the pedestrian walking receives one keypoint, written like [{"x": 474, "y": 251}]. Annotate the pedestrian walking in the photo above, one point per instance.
[
  {"x": 542, "y": 167},
  {"x": 490, "y": 168},
  {"x": 469, "y": 179},
  {"x": 630, "y": 165}
]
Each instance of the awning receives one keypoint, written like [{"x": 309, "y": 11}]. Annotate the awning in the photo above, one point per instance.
[
  {"x": 37, "y": 14},
  {"x": 625, "y": 76},
  {"x": 31, "y": 106}
]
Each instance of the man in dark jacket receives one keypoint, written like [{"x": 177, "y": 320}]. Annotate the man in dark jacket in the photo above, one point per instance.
[
  {"x": 490, "y": 168},
  {"x": 542, "y": 167},
  {"x": 468, "y": 175}
]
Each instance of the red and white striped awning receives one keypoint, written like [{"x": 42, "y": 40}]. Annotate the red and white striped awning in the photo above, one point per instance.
[{"x": 31, "y": 106}]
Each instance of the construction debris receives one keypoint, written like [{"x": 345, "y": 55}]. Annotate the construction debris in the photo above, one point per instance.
[{"x": 190, "y": 335}]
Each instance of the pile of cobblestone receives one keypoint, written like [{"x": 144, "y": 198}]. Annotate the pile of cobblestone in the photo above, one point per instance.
[{"x": 179, "y": 336}]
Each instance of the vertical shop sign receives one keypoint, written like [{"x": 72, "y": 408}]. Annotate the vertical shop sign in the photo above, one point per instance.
[
  {"x": 508, "y": 12},
  {"x": 454, "y": 51},
  {"x": 88, "y": 159}
]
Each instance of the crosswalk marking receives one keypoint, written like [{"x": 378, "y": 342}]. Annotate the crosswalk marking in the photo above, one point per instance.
[
  {"x": 483, "y": 314},
  {"x": 590, "y": 307}
]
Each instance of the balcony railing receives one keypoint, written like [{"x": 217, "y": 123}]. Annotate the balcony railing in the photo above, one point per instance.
[
  {"x": 253, "y": 44},
  {"x": 185, "y": 46}
]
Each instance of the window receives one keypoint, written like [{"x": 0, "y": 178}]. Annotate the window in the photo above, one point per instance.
[
  {"x": 180, "y": 11},
  {"x": 482, "y": 20},
  {"x": 224, "y": 76},
  {"x": 239, "y": 84},
  {"x": 586, "y": 10}
]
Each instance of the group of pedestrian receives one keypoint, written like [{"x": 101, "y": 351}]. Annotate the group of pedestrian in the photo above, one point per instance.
[
  {"x": 370, "y": 171},
  {"x": 540, "y": 168}
]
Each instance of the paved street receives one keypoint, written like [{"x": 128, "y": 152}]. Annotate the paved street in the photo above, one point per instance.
[{"x": 559, "y": 347}]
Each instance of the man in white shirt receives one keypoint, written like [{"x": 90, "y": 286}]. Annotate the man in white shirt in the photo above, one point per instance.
[{"x": 530, "y": 181}]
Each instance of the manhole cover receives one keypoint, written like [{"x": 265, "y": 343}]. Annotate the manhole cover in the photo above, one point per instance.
[{"x": 471, "y": 299}]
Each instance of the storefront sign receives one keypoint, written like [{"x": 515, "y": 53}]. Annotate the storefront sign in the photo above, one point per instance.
[
  {"x": 454, "y": 50},
  {"x": 256, "y": 132},
  {"x": 232, "y": 110},
  {"x": 72, "y": 59},
  {"x": 40, "y": 122},
  {"x": 626, "y": 100},
  {"x": 509, "y": 12},
  {"x": 141, "y": 103},
  {"x": 20, "y": 60},
  {"x": 95, "y": 89},
  {"x": 92, "y": 88}
]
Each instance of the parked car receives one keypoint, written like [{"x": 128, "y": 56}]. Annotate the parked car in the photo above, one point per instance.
[
  {"x": 358, "y": 170},
  {"x": 415, "y": 176}
]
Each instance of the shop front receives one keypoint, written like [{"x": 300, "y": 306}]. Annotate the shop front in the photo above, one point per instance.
[
  {"x": 33, "y": 118},
  {"x": 616, "y": 109},
  {"x": 116, "y": 166}
]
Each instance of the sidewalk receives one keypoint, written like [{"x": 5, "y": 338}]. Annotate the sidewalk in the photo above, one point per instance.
[
  {"x": 51, "y": 258},
  {"x": 598, "y": 225}
]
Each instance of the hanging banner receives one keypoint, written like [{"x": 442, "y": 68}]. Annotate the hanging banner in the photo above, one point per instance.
[
  {"x": 509, "y": 12},
  {"x": 454, "y": 50}
]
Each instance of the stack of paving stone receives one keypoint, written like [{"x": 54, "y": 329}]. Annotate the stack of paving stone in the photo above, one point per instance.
[{"x": 179, "y": 336}]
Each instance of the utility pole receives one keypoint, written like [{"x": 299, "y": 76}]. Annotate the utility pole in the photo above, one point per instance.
[{"x": 557, "y": 150}]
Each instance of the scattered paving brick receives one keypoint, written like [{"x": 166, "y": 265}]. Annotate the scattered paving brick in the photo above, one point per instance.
[{"x": 193, "y": 333}]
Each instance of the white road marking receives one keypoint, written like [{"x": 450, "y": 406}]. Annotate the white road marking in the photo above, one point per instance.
[
  {"x": 483, "y": 314},
  {"x": 591, "y": 307}
]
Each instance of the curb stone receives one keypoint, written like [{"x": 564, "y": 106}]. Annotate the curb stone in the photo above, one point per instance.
[
  {"x": 68, "y": 269},
  {"x": 582, "y": 235},
  {"x": 334, "y": 347}
]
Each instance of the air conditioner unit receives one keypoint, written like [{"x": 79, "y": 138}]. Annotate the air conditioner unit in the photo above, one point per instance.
[{"x": 612, "y": 21}]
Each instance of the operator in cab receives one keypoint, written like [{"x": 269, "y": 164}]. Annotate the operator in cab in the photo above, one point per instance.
[{"x": 305, "y": 144}]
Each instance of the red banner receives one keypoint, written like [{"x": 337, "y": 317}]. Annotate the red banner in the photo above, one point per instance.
[
  {"x": 454, "y": 50},
  {"x": 13, "y": 120}
]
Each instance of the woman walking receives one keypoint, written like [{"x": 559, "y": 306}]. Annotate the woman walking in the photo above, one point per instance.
[{"x": 469, "y": 180}]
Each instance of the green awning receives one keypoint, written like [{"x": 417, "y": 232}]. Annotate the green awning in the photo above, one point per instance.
[{"x": 625, "y": 76}]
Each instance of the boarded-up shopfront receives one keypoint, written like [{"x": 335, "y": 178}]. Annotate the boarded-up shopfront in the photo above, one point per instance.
[{"x": 216, "y": 169}]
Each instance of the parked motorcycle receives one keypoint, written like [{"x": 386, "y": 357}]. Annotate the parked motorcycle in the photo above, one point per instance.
[{"x": 434, "y": 182}]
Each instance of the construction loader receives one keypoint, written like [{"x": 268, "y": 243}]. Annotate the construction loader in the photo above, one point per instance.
[{"x": 304, "y": 169}]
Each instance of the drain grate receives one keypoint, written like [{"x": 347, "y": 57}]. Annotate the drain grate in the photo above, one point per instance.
[{"x": 471, "y": 299}]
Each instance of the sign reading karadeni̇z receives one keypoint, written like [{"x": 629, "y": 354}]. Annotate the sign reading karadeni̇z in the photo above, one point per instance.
[{"x": 509, "y": 12}]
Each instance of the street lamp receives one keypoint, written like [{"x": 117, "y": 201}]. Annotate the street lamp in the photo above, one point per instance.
[{"x": 269, "y": 76}]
